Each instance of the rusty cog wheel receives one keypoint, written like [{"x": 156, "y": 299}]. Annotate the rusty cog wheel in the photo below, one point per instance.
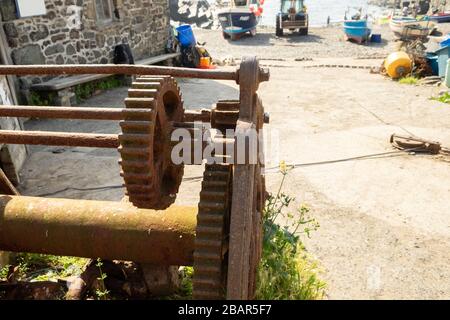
[
  {"x": 151, "y": 179},
  {"x": 211, "y": 243}
]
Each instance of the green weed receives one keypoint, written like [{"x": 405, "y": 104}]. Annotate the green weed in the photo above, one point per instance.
[
  {"x": 42, "y": 98},
  {"x": 409, "y": 80},
  {"x": 287, "y": 271},
  {"x": 444, "y": 98},
  {"x": 40, "y": 267},
  {"x": 102, "y": 293},
  {"x": 86, "y": 90}
]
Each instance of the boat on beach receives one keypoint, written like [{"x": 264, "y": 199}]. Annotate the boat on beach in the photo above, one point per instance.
[
  {"x": 239, "y": 18},
  {"x": 440, "y": 17},
  {"x": 357, "y": 30},
  {"x": 408, "y": 27}
]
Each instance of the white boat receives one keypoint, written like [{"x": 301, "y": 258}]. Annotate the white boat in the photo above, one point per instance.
[{"x": 411, "y": 27}]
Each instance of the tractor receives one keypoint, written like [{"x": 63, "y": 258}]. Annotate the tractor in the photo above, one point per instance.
[{"x": 293, "y": 15}]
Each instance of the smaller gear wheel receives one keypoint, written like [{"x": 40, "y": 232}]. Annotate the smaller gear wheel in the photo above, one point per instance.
[
  {"x": 151, "y": 179},
  {"x": 225, "y": 115},
  {"x": 211, "y": 243}
]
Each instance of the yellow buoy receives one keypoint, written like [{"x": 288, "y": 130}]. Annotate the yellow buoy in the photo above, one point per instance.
[{"x": 398, "y": 64}]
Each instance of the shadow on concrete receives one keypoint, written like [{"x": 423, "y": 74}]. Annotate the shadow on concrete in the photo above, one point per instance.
[
  {"x": 267, "y": 39},
  {"x": 199, "y": 93}
]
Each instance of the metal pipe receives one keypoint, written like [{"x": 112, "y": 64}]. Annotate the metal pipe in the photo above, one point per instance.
[
  {"x": 117, "y": 69},
  {"x": 97, "y": 229},
  {"x": 68, "y": 139},
  {"x": 85, "y": 113}
]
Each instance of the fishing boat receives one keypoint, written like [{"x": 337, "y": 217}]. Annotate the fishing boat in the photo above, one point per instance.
[
  {"x": 357, "y": 30},
  {"x": 440, "y": 17},
  {"x": 241, "y": 17},
  {"x": 408, "y": 27}
]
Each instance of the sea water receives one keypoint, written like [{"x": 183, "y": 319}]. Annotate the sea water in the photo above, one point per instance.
[{"x": 320, "y": 10}]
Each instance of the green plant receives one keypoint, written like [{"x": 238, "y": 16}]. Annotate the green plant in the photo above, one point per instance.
[
  {"x": 40, "y": 267},
  {"x": 411, "y": 80},
  {"x": 41, "y": 98},
  {"x": 186, "y": 282},
  {"x": 287, "y": 271},
  {"x": 444, "y": 98},
  {"x": 85, "y": 90},
  {"x": 4, "y": 272},
  {"x": 102, "y": 293}
]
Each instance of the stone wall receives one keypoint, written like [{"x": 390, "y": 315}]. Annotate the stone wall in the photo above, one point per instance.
[
  {"x": 12, "y": 157},
  {"x": 71, "y": 33}
]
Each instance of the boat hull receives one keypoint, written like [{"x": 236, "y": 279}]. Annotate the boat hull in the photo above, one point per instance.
[
  {"x": 357, "y": 30},
  {"x": 234, "y": 21},
  {"x": 440, "y": 18},
  {"x": 411, "y": 27}
]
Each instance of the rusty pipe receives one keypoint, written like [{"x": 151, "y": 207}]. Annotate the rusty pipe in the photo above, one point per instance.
[
  {"x": 67, "y": 139},
  {"x": 82, "y": 113},
  {"x": 97, "y": 229},
  {"x": 91, "y": 113},
  {"x": 117, "y": 69}
]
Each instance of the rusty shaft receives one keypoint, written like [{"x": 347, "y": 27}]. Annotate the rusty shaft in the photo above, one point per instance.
[
  {"x": 118, "y": 69},
  {"x": 97, "y": 229},
  {"x": 67, "y": 139},
  {"x": 92, "y": 113},
  {"x": 85, "y": 113}
]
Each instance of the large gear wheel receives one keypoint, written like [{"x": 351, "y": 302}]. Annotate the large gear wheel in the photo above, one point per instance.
[
  {"x": 151, "y": 179},
  {"x": 211, "y": 243}
]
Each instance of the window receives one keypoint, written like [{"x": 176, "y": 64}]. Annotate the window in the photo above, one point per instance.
[
  {"x": 240, "y": 3},
  {"x": 286, "y": 5},
  {"x": 104, "y": 11},
  {"x": 30, "y": 8}
]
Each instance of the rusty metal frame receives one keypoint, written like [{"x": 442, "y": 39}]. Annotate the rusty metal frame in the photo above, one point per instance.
[
  {"x": 245, "y": 188},
  {"x": 248, "y": 185}
]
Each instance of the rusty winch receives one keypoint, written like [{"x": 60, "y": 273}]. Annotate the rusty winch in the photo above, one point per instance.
[{"x": 222, "y": 238}]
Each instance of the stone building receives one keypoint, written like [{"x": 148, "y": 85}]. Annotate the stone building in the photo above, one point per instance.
[
  {"x": 12, "y": 157},
  {"x": 84, "y": 31}
]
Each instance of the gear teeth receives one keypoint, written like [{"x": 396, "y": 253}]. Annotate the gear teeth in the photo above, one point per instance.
[
  {"x": 130, "y": 151},
  {"x": 225, "y": 115},
  {"x": 212, "y": 233},
  {"x": 152, "y": 87},
  {"x": 137, "y": 126},
  {"x": 208, "y": 269},
  {"x": 130, "y": 176},
  {"x": 228, "y": 105},
  {"x": 138, "y": 114},
  {"x": 142, "y": 93},
  {"x": 140, "y": 103},
  {"x": 133, "y": 164}
]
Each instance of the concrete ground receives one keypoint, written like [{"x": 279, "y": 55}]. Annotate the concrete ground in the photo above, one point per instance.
[{"x": 385, "y": 221}]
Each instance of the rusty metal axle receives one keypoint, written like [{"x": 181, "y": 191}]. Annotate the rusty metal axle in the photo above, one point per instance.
[
  {"x": 118, "y": 69},
  {"x": 67, "y": 139},
  {"x": 81, "y": 113},
  {"x": 97, "y": 229},
  {"x": 93, "y": 113}
]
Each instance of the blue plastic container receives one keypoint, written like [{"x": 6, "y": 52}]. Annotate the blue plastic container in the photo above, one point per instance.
[
  {"x": 186, "y": 36},
  {"x": 433, "y": 62},
  {"x": 375, "y": 38}
]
